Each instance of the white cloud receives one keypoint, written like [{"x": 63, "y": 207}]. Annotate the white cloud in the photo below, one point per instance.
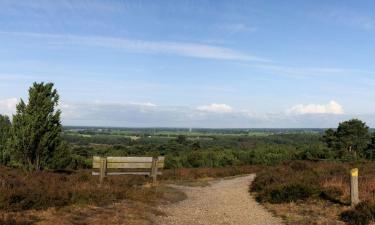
[
  {"x": 187, "y": 49},
  {"x": 331, "y": 108},
  {"x": 217, "y": 108},
  {"x": 131, "y": 115},
  {"x": 8, "y": 106}
]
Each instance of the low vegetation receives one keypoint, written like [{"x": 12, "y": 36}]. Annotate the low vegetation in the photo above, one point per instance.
[
  {"x": 362, "y": 214},
  {"x": 29, "y": 190},
  {"x": 301, "y": 181}
]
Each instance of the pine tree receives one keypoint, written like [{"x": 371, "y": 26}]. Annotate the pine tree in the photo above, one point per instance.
[{"x": 36, "y": 131}]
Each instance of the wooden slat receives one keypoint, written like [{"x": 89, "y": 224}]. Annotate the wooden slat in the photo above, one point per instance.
[
  {"x": 128, "y": 159},
  {"x": 128, "y": 165},
  {"x": 125, "y": 173}
]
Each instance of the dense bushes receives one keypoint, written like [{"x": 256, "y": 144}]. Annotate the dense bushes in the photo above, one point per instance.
[
  {"x": 208, "y": 151},
  {"x": 301, "y": 180},
  {"x": 285, "y": 184},
  {"x": 363, "y": 214},
  {"x": 291, "y": 193}
]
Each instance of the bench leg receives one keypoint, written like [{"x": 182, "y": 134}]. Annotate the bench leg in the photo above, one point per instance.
[{"x": 103, "y": 169}]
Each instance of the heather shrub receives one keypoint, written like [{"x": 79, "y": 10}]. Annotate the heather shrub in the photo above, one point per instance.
[
  {"x": 21, "y": 190},
  {"x": 290, "y": 192},
  {"x": 363, "y": 214},
  {"x": 9, "y": 220}
]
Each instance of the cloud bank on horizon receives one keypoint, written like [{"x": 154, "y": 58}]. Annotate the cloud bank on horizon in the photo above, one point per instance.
[
  {"x": 212, "y": 64},
  {"x": 208, "y": 116}
]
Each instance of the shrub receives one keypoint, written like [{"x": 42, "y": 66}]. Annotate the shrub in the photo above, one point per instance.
[
  {"x": 265, "y": 180},
  {"x": 39, "y": 190},
  {"x": 288, "y": 193},
  {"x": 363, "y": 214},
  {"x": 355, "y": 217},
  {"x": 331, "y": 194}
]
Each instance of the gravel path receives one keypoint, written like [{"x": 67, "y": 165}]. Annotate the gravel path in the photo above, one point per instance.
[{"x": 224, "y": 202}]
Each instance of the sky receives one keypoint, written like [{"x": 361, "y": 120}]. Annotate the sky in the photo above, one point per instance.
[{"x": 190, "y": 63}]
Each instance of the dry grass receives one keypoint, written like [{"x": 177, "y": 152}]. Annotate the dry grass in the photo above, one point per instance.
[
  {"x": 329, "y": 183},
  {"x": 311, "y": 212},
  {"x": 199, "y": 173},
  {"x": 31, "y": 190},
  {"x": 76, "y": 198}
]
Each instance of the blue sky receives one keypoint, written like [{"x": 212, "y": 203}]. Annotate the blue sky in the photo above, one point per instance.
[{"x": 193, "y": 63}]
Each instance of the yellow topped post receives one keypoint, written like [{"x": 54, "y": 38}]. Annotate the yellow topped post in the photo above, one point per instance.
[{"x": 354, "y": 193}]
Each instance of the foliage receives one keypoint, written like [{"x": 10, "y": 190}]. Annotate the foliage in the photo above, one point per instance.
[
  {"x": 36, "y": 130},
  {"x": 5, "y": 127},
  {"x": 350, "y": 140},
  {"x": 291, "y": 193}
]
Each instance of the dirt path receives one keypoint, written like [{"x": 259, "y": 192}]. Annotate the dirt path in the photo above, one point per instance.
[{"x": 223, "y": 202}]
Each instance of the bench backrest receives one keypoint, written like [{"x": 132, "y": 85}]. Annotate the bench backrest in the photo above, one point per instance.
[
  {"x": 128, "y": 162},
  {"x": 148, "y": 166}
]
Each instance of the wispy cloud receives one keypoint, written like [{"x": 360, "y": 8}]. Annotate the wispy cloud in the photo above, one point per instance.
[
  {"x": 308, "y": 72},
  {"x": 48, "y": 6},
  {"x": 187, "y": 49},
  {"x": 347, "y": 17},
  {"x": 238, "y": 28}
]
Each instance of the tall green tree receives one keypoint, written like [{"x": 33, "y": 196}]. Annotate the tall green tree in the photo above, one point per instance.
[
  {"x": 36, "y": 131},
  {"x": 5, "y": 127},
  {"x": 351, "y": 138}
]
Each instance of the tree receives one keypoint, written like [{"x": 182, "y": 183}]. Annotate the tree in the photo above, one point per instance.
[
  {"x": 36, "y": 131},
  {"x": 330, "y": 138},
  {"x": 181, "y": 139},
  {"x": 370, "y": 151},
  {"x": 351, "y": 138},
  {"x": 5, "y": 127}
]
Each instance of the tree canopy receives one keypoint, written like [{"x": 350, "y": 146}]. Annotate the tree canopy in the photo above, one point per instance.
[
  {"x": 36, "y": 133},
  {"x": 351, "y": 138}
]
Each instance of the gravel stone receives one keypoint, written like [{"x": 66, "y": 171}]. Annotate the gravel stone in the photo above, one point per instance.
[{"x": 223, "y": 202}]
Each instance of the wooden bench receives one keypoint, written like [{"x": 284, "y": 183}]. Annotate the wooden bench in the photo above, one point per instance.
[{"x": 146, "y": 166}]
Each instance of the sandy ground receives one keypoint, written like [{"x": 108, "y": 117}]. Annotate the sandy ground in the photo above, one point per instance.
[{"x": 223, "y": 202}]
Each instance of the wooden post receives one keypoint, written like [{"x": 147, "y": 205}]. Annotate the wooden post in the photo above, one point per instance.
[
  {"x": 103, "y": 169},
  {"x": 154, "y": 169},
  {"x": 354, "y": 196}
]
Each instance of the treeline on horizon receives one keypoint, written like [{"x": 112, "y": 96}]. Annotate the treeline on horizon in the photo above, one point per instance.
[{"x": 35, "y": 140}]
